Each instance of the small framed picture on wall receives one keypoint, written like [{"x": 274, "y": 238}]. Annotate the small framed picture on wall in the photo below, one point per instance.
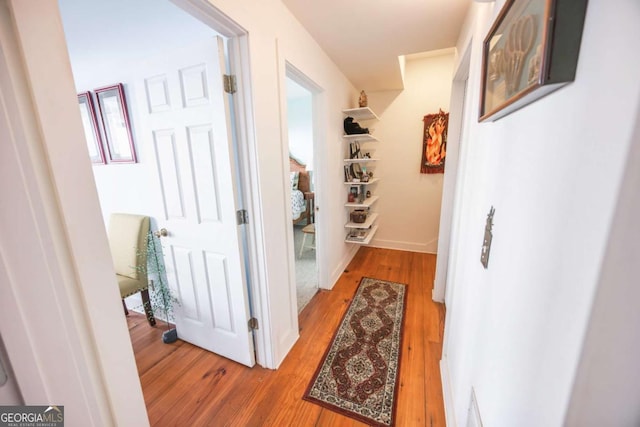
[
  {"x": 90, "y": 125},
  {"x": 116, "y": 124}
]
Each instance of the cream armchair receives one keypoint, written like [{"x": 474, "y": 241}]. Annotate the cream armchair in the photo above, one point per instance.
[{"x": 128, "y": 242}]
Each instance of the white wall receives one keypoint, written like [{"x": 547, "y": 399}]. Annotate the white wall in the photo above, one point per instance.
[
  {"x": 272, "y": 30},
  {"x": 409, "y": 204},
  {"x": 148, "y": 29},
  {"x": 607, "y": 383},
  {"x": 552, "y": 171},
  {"x": 61, "y": 328},
  {"x": 9, "y": 391}
]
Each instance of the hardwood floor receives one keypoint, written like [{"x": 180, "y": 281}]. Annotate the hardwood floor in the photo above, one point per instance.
[{"x": 186, "y": 386}]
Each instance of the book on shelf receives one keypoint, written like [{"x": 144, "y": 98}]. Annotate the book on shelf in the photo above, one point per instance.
[{"x": 358, "y": 234}]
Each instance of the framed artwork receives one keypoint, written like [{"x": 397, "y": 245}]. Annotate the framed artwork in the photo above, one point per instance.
[
  {"x": 531, "y": 50},
  {"x": 434, "y": 142},
  {"x": 347, "y": 174},
  {"x": 90, "y": 125},
  {"x": 356, "y": 171},
  {"x": 115, "y": 123}
]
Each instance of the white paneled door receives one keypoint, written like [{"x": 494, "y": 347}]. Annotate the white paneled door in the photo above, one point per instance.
[{"x": 187, "y": 127}]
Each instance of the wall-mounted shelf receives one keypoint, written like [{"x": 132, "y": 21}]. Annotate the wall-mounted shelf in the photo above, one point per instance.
[
  {"x": 371, "y": 181},
  {"x": 371, "y": 218},
  {"x": 360, "y": 137},
  {"x": 360, "y": 160},
  {"x": 365, "y": 204},
  {"x": 362, "y": 113},
  {"x": 360, "y": 233},
  {"x": 368, "y": 236}
]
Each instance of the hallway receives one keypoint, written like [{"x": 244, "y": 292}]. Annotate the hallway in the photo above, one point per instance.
[{"x": 184, "y": 385}]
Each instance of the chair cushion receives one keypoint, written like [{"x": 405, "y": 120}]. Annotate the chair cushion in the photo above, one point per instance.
[
  {"x": 129, "y": 286},
  {"x": 128, "y": 243}
]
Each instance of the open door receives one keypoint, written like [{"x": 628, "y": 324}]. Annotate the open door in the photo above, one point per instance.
[{"x": 188, "y": 121}]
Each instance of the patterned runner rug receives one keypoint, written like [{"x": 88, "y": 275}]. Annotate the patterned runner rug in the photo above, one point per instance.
[{"x": 359, "y": 374}]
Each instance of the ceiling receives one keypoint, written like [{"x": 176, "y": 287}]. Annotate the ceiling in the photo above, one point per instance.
[
  {"x": 105, "y": 32},
  {"x": 363, "y": 38},
  {"x": 366, "y": 37}
]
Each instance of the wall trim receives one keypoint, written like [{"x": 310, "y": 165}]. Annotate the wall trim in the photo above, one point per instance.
[
  {"x": 447, "y": 393},
  {"x": 451, "y": 182},
  {"x": 430, "y": 247},
  {"x": 335, "y": 274}
]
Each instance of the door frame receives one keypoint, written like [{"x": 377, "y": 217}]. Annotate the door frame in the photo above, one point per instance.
[
  {"x": 452, "y": 185},
  {"x": 288, "y": 70},
  {"x": 246, "y": 145},
  {"x": 444, "y": 282}
]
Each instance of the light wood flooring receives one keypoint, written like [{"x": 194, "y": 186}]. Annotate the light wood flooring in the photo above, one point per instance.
[{"x": 186, "y": 386}]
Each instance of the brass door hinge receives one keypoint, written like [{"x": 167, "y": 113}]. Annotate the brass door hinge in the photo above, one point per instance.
[
  {"x": 253, "y": 324},
  {"x": 230, "y": 84}
]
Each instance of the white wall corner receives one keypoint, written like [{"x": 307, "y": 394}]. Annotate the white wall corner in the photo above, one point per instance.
[
  {"x": 437, "y": 295},
  {"x": 335, "y": 274},
  {"x": 284, "y": 347}
]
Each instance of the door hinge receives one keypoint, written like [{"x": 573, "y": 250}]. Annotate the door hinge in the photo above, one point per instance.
[
  {"x": 242, "y": 216},
  {"x": 253, "y": 324},
  {"x": 230, "y": 84}
]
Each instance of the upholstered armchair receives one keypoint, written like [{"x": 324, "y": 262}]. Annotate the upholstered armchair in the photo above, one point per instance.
[{"x": 128, "y": 236}]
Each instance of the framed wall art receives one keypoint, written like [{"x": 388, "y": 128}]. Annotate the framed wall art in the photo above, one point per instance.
[
  {"x": 434, "y": 142},
  {"x": 531, "y": 50},
  {"x": 116, "y": 124},
  {"x": 90, "y": 125}
]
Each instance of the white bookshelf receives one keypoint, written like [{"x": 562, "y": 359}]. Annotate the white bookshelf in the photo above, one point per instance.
[
  {"x": 364, "y": 205},
  {"x": 371, "y": 181},
  {"x": 371, "y": 218},
  {"x": 362, "y": 113},
  {"x": 366, "y": 240},
  {"x": 360, "y": 160},
  {"x": 360, "y": 137},
  {"x": 367, "y": 229}
]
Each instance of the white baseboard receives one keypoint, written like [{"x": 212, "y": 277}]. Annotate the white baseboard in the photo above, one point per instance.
[
  {"x": 435, "y": 295},
  {"x": 447, "y": 393},
  {"x": 337, "y": 272},
  {"x": 428, "y": 248}
]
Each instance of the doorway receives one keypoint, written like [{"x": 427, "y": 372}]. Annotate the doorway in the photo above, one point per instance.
[
  {"x": 302, "y": 173},
  {"x": 188, "y": 175}
]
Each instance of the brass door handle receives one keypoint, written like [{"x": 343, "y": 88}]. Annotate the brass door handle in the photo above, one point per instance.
[{"x": 161, "y": 233}]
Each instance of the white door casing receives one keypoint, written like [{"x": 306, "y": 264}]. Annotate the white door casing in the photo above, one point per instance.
[{"x": 186, "y": 121}]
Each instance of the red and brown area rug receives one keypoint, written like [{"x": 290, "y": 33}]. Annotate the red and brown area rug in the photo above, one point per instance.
[{"x": 359, "y": 374}]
